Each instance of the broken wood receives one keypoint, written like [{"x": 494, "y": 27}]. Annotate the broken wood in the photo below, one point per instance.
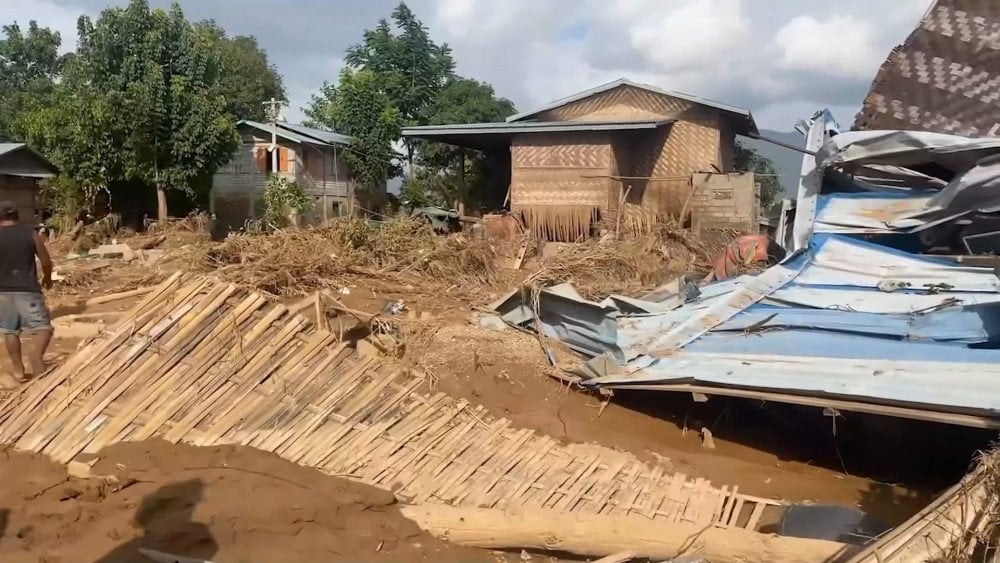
[
  {"x": 519, "y": 261},
  {"x": 118, "y": 296},
  {"x": 620, "y": 557},
  {"x": 152, "y": 243},
  {"x": 687, "y": 205},
  {"x": 360, "y": 315},
  {"x": 600, "y": 535}
]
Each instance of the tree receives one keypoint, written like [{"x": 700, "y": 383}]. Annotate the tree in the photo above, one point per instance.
[
  {"x": 746, "y": 159},
  {"x": 358, "y": 107},
  {"x": 140, "y": 102},
  {"x": 248, "y": 79},
  {"x": 29, "y": 65},
  {"x": 453, "y": 172},
  {"x": 410, "y": 68}
]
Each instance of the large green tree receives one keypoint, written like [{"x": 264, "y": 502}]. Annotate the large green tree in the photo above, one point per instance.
[
  {"x": 141, "y": 102},
  {"x": 29, "y": 65},
  {"x": 358, "y": 107},
  {"x": 747, "y": 159},
  {"x": 450, "y": 172},
  {"x": 248, "y": 79},
  {"x": 410, "y": 68}
]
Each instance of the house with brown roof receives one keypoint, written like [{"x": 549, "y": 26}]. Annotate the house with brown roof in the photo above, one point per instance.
[{"x": 624, "y": 153}]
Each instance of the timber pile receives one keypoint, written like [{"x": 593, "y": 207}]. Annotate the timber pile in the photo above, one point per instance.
[{"x": 201, "y": 362}]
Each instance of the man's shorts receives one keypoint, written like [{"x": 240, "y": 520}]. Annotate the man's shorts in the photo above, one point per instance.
[{"x": 22, "y": 311}]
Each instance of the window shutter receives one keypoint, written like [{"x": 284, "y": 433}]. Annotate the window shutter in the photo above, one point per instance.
[
  {"x": 260, "y": 159},
  {"x": 282, "y": 159}
]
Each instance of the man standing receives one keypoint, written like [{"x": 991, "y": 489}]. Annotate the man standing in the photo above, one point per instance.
[{"x": 22, "y": 307}]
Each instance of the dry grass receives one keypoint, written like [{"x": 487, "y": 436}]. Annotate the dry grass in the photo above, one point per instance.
[
  {"x": 299, "y": 261},
  {"x": 630, "y": 265}
]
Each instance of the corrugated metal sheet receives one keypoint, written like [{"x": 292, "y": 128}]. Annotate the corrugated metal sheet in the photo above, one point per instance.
[
  {"x": 843, "y": 319},
  {"x": 18, "y": 159},
  {"x": 10, "y": 147},
  {"x": 531, "y": 127},
  {"x": 330, "y": 137}
]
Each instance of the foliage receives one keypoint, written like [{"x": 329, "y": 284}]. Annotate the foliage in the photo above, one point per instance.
[
  {"x": 411, "y": 69},
  {"x": 248, "y": 79},
  {"x": 416, "y": 192},
  {"x": 139, "y": 104},
  {"x": 747, "y": 159},
  {"x": 358, "y": 107},
  {"x": 282, "y": 198},
  {"x": 29, "y": 65},
  {"x": 64, "y": 197},
  {"x": 463, "y": 100}
]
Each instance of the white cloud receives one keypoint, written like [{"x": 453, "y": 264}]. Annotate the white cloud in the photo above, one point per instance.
[
  {"x": 841, "y": 45},
  {"x": 47, "y": 14},
  {"x": 696, "y": 34}
]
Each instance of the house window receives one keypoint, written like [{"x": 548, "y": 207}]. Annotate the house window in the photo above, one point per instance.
[{"x": 265, "y": 160}]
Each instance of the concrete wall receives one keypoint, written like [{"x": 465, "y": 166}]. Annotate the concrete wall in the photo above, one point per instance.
[{"x": 726, "y": 200}]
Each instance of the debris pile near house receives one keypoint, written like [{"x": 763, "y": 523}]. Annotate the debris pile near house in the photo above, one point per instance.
[{"x": 877, "y": 327}]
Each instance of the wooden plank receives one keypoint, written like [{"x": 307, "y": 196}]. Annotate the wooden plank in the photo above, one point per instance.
[{"x": 758, "y": 511}]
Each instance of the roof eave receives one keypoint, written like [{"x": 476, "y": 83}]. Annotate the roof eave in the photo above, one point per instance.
[
  {"x": 751, "y": 127},
  {"x": 283, "y": 133}
]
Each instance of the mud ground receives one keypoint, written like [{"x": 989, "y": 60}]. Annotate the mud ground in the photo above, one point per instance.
[
  {"x": 234, "y": 508},
  {"x": 219, "y": 503}
]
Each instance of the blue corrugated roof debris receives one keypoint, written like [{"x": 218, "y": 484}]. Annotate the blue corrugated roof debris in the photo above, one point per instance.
[{"x": 846, "y": 321}]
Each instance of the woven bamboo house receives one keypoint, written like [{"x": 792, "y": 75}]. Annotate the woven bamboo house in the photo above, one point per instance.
[
  {"x": 626, "y": 152},
  {"x": 945, "y": 77}
]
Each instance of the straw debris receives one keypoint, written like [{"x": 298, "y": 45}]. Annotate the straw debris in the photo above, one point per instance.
[{"x": 298, "y": 261}]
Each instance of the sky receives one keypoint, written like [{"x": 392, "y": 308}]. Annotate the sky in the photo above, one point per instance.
[{"x": 781, "y": 59}]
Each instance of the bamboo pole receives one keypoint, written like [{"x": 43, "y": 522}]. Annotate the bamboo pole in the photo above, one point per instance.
[{"x": 598, "y": 535}]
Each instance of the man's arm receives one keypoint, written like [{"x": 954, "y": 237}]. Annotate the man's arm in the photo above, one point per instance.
[{"x": 45, "y": 259}]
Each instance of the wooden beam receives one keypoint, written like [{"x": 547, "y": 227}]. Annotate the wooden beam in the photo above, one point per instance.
[{"x": 600, "y": 535}]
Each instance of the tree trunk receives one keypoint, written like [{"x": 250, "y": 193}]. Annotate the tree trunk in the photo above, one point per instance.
[
  {"x": 598, "y": 535},
  {"x": 161, "y": 203}
]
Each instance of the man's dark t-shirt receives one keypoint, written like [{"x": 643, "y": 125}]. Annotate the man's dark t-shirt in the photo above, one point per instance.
[{"x": 17, "y": 260}]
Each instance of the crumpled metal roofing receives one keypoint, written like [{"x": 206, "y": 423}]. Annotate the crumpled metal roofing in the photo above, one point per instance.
[
  {"x": 969, "y": 183},
  {"x": 844, "y": 319}
]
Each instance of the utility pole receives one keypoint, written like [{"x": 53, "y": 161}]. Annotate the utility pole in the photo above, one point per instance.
[{"x": 272, "y": 116}]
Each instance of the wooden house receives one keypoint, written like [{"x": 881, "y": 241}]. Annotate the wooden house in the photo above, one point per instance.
[
  {"x": 627, "y": 153},
  {"x": 313, "y": 158},
  {"x": 21, "y": 169}
]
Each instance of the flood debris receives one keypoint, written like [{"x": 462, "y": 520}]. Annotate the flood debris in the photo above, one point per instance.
[{"x": 880, "y": 324}]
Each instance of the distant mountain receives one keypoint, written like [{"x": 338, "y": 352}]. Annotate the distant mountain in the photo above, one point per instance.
[{"x": 787, "y": 161}]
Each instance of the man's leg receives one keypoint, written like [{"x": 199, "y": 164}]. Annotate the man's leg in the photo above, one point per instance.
[
  {"x": 35, "y": 319},
  {"x": 13, "y": 344},
  {"x": 36, "y": 351},
  {"x": 10, "y": 328}
]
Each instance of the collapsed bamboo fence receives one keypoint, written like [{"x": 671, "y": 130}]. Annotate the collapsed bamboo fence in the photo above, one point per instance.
[{"x": 201, "y": 362}]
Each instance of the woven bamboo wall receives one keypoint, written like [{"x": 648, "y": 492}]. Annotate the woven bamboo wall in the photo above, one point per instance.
[
  {"x": 945, "y": 77},
  {"x": 624, "y": 102},
  {"x": 692, "y": 144},
  {"x": 550, "y": 187}
]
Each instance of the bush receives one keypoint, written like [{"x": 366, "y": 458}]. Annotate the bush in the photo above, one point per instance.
[{"x": 282, "y": 198}]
